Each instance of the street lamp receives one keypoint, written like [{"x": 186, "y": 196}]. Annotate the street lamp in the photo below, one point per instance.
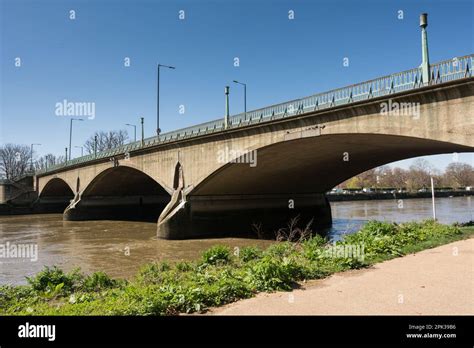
[
  {"x": 134, "y": 130},
  {"x": 158, "y": 130},
  {"x": 245, "y": 97},
  {"x": 31, "y": 158},
  {"x": 142, "y": 121},
  {"x": 70, "y": 133},
  {"x": 82, "y": 149}
]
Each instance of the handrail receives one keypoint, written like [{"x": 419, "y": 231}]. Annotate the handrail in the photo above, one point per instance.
[{"x": 444, "y": 71}]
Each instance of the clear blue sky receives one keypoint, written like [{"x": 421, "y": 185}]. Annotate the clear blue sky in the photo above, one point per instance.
[{"x": 280, "y": 59}]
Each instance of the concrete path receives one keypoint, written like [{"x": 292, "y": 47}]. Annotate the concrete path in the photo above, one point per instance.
[{"x": 432, "y": 282}]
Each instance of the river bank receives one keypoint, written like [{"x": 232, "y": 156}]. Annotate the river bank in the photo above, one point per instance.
[
  {"x": 369, "y": 196},
  {"x": 436, "y": 281},
  {"x": 222, "y": 275}
]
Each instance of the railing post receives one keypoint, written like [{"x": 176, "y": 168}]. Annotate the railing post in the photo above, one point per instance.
[{"x": 425, "y": 62}]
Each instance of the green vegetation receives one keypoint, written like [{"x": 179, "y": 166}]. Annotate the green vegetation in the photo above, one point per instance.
[{"x": 220, "y": 276}]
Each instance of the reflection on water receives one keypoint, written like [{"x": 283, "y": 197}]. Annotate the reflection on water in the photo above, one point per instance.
[{"x": 119, "y": 248}]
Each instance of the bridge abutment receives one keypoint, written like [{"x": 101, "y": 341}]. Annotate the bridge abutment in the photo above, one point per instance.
[{"x": 243, "y": 215}]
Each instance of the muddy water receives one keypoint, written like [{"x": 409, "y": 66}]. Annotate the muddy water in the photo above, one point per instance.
[{"x": 119, "y": 248}]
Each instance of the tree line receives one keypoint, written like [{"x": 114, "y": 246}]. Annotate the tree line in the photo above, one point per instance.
[
  {"x": 17, "y": 159},
  {"x": 417, "y": 176}
]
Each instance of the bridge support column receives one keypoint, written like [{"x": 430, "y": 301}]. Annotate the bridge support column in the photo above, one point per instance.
[
  {"x": 133, "y": 208},
  {"x": 208, "y": 216}
]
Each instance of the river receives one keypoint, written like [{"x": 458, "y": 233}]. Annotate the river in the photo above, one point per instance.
[{"x": 120, "y": 247}]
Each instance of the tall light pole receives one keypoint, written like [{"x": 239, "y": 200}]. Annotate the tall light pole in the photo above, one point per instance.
[
  {"x": 31, "y": 158},
  {"x": 82, "y": 149},
  {"x": 70, "y": 134},
  {"x": 425, "y": 61},
  {"x": 158, "y": 130},
  {"x": 226, "y": 119},
  {"x": 134, "y": 130},
  {"x": 245, "y": 97},
  {"x": 142, "y": 121}
]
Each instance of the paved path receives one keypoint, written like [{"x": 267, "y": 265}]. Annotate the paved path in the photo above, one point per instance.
[{"x": 431, "y": 282}]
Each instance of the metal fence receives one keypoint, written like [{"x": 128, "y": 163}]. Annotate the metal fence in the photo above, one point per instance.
[{"x": 448, "y": 70}]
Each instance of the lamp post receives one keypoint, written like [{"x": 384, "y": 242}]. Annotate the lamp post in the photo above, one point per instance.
[
  {"x": 158, "y": 130},
  {"x": 226, "y": 118},
  {"x": 245, "y": 97},
  {"x": 70, "y": 133},
  {"x": 31, "y": 156},
  {"x": 425, "y": 61},
  {"x": 142, "y": 121},
  {"x": 134, "y": 130},
  {"x": 82, "y": 149}
]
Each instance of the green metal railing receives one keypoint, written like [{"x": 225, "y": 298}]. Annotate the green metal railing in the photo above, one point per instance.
[{"x": 448, "y": 70}]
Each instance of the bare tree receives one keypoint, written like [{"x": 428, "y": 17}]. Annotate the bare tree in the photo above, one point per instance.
[
  {"x": 106, "y": 140},
  {"x": 459, "y": 175},
  {"x": 46, "y": 161},
  {"x": 14, "y": 160},
  {"x": 419, "y": 174},
  {"x": 416, "y": 177}
]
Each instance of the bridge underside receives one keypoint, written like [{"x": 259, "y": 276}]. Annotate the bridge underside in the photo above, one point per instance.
[
  {"x": 55, "y": 197},
  {"x": 119, "y": 193},
  {"x": 289, "y": 180}
]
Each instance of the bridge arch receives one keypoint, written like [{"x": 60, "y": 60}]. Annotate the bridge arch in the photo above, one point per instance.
[
  {"x": 120, "y": 193},
  {"x": 56, "y": 187},
  {"x": 316, "y": 164},
  {"x": 289, "y": 180},
  {"x": 55, "y": 196}
]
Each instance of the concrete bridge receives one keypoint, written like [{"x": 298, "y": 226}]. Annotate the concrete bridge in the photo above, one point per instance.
[{"x": 269, "y": 165}]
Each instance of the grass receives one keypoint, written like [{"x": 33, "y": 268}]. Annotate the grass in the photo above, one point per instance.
[{"x": 220, "y": 276}]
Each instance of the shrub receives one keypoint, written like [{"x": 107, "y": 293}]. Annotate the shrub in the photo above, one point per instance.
[
  {"x": 250, "y": 253},
  {"x": 153, "y": 273},
  {"x": 313, "y": 248},
  {"x": 184, "y": 266},
  {"x": 218, "y": 254},
  {"x": 54, "y": 279},
  {"x": 281, "y": 249},
  {"x": 98, "y": 281},
  {"x": 269, "y": 274}
]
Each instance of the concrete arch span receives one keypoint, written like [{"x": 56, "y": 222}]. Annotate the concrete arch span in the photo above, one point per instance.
[
  {"x": 290, "y": 179},
  {"x": 119, "y": 193},
  {"x": 55, "y": 197}
]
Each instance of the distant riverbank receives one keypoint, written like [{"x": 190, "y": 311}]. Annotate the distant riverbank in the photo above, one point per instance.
[{"x": 366, "y": 196}]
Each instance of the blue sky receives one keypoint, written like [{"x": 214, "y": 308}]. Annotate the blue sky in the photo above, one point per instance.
[{"x": 280, "y": 59}]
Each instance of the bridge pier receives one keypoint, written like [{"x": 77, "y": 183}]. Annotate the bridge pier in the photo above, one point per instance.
[
  {"x": 55, "y": 204},
  {"x": 133, "y": 208},
  {"x": 217, "y": 216}
]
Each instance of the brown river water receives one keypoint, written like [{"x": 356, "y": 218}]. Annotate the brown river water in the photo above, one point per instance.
[{"x": 120, "y": 247}]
